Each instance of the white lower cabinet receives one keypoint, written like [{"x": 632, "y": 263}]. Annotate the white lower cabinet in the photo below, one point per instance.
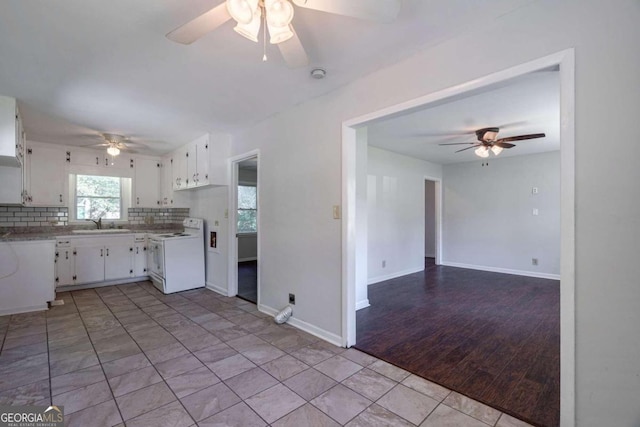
[
  {"x": 140, "y": 257},
  {"x": 82, "y": 260}
]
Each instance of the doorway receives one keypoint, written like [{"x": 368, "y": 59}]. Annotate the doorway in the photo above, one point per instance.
[
  {"x": 352, "y": 161},
  {"x": 432, "y": 220},
  {"x": 244, "y": 220}
]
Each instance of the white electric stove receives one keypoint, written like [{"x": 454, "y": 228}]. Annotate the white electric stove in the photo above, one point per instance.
[{"x": 176, "y": 260}]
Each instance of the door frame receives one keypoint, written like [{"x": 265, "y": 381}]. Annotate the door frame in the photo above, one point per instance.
[
  {"x": 565, "y": 61},
  {"x": 232, "y": 269},
  {"x": 437, "y": 183}
]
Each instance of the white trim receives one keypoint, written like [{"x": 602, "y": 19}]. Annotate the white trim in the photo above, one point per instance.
[
  {"x": 379, "y": 279},
  {"x": 304, "y": 326},
  {"x": 215, "y": 288},
  {"x": 90, "y": 285},
  {"x": 503, "y": 270},
  {"x": 566, "y": 61},
  {"x": 362, "y": 304},
  {"x": 27, "y": 309},
  {"x": 232, "y": 267}
]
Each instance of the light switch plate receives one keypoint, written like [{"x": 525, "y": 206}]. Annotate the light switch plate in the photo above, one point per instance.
[{"x": 336, "y": 212}]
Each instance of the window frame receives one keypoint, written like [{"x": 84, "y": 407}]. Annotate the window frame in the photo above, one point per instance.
[
  {"x": 125, "y": 196},
  {"x": 239, "y": 209}
]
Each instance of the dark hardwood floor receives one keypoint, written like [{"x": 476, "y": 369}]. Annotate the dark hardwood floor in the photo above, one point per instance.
[
  {"x": 248, "y": 281},
  {"x": 490, "y": 336}
]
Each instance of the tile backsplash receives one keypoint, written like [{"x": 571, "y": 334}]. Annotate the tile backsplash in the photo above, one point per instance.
[
  {"x": 149, "y": 216},
  {"x": 21, "y": 216}
]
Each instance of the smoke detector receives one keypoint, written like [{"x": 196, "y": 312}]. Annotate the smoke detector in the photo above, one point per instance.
[{"x": 318, "y": 73}]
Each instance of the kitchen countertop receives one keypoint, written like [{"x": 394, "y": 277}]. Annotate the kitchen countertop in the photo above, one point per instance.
[{"x": 9, "y": 236}]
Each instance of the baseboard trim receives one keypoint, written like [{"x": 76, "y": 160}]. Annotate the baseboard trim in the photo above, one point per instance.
[
  {"x": 379, "y": 279},
  {"x": 27, "y": 309},
  {"x": 69, "y": 288},
  {"x": 503, "y": 270},
  {"x": 362, "y": 304},
  {"x": 217, "y": 289},
  {"x": 304, "y": 326}
]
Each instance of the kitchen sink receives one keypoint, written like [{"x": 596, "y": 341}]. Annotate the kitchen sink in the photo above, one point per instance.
[{"x": 103, "y": 231}]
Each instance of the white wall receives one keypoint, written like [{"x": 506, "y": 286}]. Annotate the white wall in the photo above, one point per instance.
[
  {"x": 396, "y": 202},
  {"x": 301, "y": 165},
  {"x": 488, "y": 219},
  {"x": 430, "y": 219}
]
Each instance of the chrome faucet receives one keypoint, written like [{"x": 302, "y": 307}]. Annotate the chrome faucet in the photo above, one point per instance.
[{"x": 98, "y": 223}]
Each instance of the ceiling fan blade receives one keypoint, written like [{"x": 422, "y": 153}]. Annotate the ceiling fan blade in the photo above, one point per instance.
[
  {"x": 458, "y": 143},
  {"x": 504, "y": 144},
  {"x": 469, "y": 148},
  {"x": 371, "y": 10},
  {"x": 293, "y": 52},
  {"x": 521, "y": 137},
  {"x": 198, "y": 27}
]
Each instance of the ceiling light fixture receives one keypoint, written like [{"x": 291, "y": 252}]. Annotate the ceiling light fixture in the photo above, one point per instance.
[
  {"x": 113, "y": 150},
  {"x": 482, "y": 152},
  {"x": 277, "y": 15}
]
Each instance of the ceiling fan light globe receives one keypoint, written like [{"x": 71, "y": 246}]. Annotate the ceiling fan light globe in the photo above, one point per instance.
[
  {"x": 113, "y": 150},
  {"x": 279, "y": 34},
  {"x": 242, "y": 10},
  {"x": 490, "y": 135},
  {"x": 279, "y": 12},
  {"x": 482, "y": 152},
  {"x": 496, "y": 150},
  {"x": 250, "y": 30}
]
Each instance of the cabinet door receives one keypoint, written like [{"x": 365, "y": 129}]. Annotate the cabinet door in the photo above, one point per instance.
[
  {"x": 147, "y": 183},
  {"x": 65, "y": 266},
  {"x": 179, "y": 169},
  {"x": 89, "y": 264},
  {"x": 167, "y": 182},
  {"x": 121, "y": 161},
  {"x": 140, "y": 260},
  {"x": 87, "y": 158},
  {"x": 45, "y": 176},
  {"x": 192, "y": 164},
  {"x": 202, "y": 163},
  {"x": 117, "y": 262}
]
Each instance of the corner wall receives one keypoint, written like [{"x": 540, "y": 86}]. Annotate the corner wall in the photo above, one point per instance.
[
  {"x": 396, "y": 213},
  {"x": 488, "y": 220}
]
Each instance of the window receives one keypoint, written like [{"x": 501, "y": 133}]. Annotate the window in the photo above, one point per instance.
[
  {"x": 247, "y": 209},
  {"x": 98, "y": 197}
]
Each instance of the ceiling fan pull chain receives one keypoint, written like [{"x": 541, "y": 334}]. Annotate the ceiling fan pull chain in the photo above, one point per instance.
[{"x": 264, "y": 35}]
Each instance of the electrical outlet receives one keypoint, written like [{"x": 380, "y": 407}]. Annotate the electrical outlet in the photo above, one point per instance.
[
  {"x": 534, "y": 190},
  {"x": 384, "y": 263},
  {"x": 292, "y": 299},
  {"x": 534, "y": 261}
]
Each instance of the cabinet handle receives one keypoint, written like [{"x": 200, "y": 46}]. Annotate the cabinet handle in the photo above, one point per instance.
[
  {"x": 97, "y": 161},
  {"x": 107, "y": 251},
  {"x": 137, "y": 250},
  {"x": 61, "y": 198},
  {"x": 101, "y": 252},
  {"x": 106, "y": 161},
  {"x": 66, "y": 254},
  {"x": 137, "y": 200}
]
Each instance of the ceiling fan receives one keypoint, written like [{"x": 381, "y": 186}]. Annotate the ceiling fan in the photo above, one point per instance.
[
  {"x": 116, "y": 143},
  {"x": 276, "y": 16},
  {"x": 487, "y": 141}
]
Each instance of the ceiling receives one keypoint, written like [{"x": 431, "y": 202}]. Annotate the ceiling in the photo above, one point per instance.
[
  {"x": 524, "y": 105},
  {"x": 81, "y": 67}
]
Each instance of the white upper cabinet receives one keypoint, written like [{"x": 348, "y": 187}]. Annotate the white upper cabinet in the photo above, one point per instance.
[
  {"x": 179, "y": 170},
  {"x": 12, "y": 137},
  {"x": 190, "y": 165},
  {"x": 99, "y": 159},
  {"x": 167, "y": 181},
  {"x": 45, "y": 177},
  {"x": 146, "y": 182}
]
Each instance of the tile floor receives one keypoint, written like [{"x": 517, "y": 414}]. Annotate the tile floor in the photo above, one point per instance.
[{"x": 128, "y": 355}]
